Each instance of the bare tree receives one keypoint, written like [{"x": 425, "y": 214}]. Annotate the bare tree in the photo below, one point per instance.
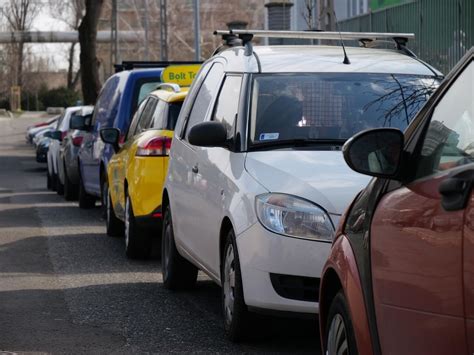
[
  {"x": 88, "y": 41},
  {"x": 308, "y": 13},
  {"x": 389, "y": 106},
  {"x": 20, "y": 15},
  {"x": 327, "y": 20},
  {"x": 70, "y": 12}
]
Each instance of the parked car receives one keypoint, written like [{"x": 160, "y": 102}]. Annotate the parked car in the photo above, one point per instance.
[
  {"x": 137, "y": 171},
  {"x": 256, "y": 179},
  {"x": 400, "y": 276},
  {"x": 36, "y": 134},
  {"x": 62, "y": 126},
  {"x": 33, "y": 130},
  {"x": 68, "y": 169},
  {"x": 117, "y": 102},
  {"x": 43, "y": 133},
  {"x": 42, "y": 150}
]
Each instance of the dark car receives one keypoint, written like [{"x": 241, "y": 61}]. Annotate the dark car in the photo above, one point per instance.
[
  {"x": 42, "y": 150},
  {"x": 400, "y": 276}
]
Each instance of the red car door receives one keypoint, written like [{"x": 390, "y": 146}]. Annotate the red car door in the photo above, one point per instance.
[{"x": 417, "y": 242}]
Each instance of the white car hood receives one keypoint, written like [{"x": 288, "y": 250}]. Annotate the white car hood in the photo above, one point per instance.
[{"x": 322, "y": 177}]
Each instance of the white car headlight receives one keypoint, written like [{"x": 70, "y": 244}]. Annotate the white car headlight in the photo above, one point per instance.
[{"x": 293, "y": 216}]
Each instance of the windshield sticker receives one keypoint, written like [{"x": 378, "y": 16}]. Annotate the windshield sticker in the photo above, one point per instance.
[{"x": 268, "y": 136}]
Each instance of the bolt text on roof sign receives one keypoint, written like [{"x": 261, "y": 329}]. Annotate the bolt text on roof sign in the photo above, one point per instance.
[{"x": 183, "y": 75}]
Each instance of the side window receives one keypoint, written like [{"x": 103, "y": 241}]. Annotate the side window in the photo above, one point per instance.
[
  {"x": 159, "y": 116},
  {"x": 136, "y": 118},
  {"x": 449, "y": 140},
  {"x": 105, "y": 100},
  {"x": 205, "y": 96},
  {"x": 228, "y": 103},
  {"x": 174, "y": 109},
  {"x": 142, "y": 88},
  {"x": 146, "y": 116},
  {"x": 188, "y": 102}
]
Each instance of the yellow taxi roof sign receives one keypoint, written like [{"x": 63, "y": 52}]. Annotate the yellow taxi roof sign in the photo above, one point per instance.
[{"x": 182, "y": 75}]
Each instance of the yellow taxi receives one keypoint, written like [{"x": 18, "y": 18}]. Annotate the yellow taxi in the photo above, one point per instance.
[{"x": 137, "y": 171}]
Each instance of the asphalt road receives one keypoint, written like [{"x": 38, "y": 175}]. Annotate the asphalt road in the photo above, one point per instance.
[{"x": 65, "y": 287}]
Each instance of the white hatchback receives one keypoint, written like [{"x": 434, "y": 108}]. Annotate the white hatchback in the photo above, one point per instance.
[{"x": 257, "y": 181}]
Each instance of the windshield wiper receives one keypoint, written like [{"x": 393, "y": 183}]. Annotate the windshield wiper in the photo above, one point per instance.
[{"x": 298, "y": 142}]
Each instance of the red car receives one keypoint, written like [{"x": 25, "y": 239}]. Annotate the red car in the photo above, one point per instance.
[{"x": 400, "y": 276}]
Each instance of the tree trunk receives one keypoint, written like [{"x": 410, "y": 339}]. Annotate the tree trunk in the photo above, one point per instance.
[
  {"x": 76, "y": 79},
  {"x": 70, "y": 69},
  {"x": 88, "y": 58},
  {"x": 19, "y": 73}
]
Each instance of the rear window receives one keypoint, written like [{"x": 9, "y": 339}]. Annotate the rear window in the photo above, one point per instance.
[
  {"x": 166, "y": 115},
  {"x": 64, "y": 124},
  {"x": 145, "y": 89},
  {"x": 333, "y": 106},
  {"x": 142, "y": 88}
]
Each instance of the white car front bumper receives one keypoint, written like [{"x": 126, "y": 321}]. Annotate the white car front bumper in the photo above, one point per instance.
[{"x": 263, "y": 253}]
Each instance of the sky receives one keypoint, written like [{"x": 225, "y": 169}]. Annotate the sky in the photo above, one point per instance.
[{"x": 55, "y": 52}]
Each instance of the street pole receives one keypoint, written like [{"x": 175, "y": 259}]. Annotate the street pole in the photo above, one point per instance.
[
  {"x": 163, "y": 31},
  {"x": 111, "y": 40},
  {"x": 116, "y": 39},
  {"x": 146, "y": 28},
  {"x": 197, "y": 32}
]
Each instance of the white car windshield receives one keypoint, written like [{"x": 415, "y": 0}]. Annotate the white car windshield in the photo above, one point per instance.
[{"x": 332, "y": 107}]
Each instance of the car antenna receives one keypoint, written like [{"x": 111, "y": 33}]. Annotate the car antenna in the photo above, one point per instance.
[{"x": 346, "y": 58}]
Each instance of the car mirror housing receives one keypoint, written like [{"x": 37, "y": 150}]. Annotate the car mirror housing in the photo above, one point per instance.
[
  {"x": 208, "y": 134},
  {"x": 111, "y": 136},
  {"x": 375, "y": 152},
  {"x": 55, "y": 135},
  {"x": 80, "y": 122}
]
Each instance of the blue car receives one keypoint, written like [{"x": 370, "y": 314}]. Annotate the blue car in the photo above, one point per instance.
[{"x": 115, "y": 106}]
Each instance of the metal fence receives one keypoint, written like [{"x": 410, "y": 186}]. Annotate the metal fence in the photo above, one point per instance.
[{"x": 444, "y": 29}]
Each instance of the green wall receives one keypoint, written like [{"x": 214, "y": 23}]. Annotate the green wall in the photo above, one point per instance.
[
  {"x": 444, "y": 29},
  {"x": 380, "y": 4}
]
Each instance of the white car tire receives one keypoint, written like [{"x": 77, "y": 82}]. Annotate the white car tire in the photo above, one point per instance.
[
  {"x": 235, "y": 311},
  {"x": 178, "y": 273}
]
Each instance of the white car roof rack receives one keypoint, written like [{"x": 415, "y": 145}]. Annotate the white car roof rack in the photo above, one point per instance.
[
  {"x": 364, "y": 38},
  {"x": 319, "y": 34}
]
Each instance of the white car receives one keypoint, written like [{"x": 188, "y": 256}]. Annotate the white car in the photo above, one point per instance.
[
  {"x": 257, "y": 182},
  {"x": 62, "y": 128}
]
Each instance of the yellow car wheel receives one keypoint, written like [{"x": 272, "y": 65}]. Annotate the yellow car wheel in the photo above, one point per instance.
[
  {"x": 114, "y": 226},
  {"x": 137, "y": 242}
]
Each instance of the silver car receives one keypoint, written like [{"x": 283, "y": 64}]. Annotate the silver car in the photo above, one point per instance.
[{"x": 68, "y": 169}]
